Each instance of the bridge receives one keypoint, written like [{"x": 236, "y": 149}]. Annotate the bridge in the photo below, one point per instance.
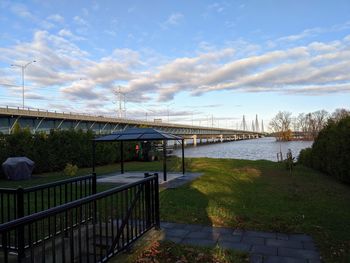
[{"x": 43, "y": 121}]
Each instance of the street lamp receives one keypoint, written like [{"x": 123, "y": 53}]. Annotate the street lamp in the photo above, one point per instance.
[{"x": 23, "y": 67}]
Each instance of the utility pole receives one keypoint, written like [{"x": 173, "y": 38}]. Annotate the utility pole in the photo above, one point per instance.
[
  {"x": 23, "y": 67},
  {"x": 121, "y": 101}
]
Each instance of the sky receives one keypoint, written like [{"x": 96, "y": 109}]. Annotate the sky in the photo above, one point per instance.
[{"x": 194, "y": 62}]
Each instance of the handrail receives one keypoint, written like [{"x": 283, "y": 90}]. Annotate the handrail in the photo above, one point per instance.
[
  {"x": 61, "y": 208},
  {"x": 47, "y": 185},
  {"x": 58, "y": 183}
]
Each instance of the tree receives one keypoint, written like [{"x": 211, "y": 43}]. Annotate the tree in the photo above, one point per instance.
[
  {"x": 280, "y": 124},
  {"x": 321, "y": 117},
  {"x": 302, "y": 122},
  {"x": 339, "y": 114}
]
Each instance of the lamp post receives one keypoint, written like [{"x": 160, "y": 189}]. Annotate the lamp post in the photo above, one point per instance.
[{"x": 23, "y": 67}]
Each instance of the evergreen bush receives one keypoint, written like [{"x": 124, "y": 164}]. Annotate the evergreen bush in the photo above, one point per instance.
[
  {"x": 330, "y": 152},
  {"x": 53, "y": 151}
]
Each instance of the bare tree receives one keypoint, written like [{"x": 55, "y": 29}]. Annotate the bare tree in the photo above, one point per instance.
[
  {"x": 280, "y": 124},
  {"x": 302, "y": 122},
  {"x": 321, "y": 117},
  {"x": 339, "y": 114}
]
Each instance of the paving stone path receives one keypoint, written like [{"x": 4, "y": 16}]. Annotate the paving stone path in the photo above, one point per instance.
[
  {"x": 174, "y": 179},
  {"x": 263, "y": 247}
]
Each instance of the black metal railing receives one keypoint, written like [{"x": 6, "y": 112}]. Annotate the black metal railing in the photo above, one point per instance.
[
  {"x": 91, "y": 229},
  {"x": 16, "y": 203}
]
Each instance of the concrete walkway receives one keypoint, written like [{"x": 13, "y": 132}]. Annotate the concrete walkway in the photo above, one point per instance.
[
  {"x": 173, "y": 179},
  {"x": 263, "y": 247}
]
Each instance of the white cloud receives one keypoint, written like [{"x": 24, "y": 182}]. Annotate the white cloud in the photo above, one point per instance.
[
  {"x": 110, "y": 33},
  {"x": 56, "y": 18},
  {"x": 66, "y": 70},
  {"x": 322, "y": 66},
  {"x": 304, "y": 34},
  {"x": 173, "y": 20},
  {"x": 313, "y": 32},
  {"x": 21, "y": 11},
  {"x": 68, "y": 34},
  {"x": 80, "y": 21},
  {"x": 315, "y": 68},
  {"x": 218, "y": 7}
]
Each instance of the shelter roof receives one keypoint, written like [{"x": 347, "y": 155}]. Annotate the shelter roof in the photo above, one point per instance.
[{"x": 138, "y": 134}]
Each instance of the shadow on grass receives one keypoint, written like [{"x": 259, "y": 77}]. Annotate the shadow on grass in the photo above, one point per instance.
[{"x": 263, "y": 195}]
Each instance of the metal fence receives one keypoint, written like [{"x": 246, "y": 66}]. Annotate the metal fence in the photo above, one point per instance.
[
  {"x": 16, "y": 203},
  {"x": 91, "y": 229}
]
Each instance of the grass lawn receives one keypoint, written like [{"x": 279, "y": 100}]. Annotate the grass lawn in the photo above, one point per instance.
[
  {"x": 173, "y": 164},
  {"x": 263, "y": 195},
  {"x": 254, "y": 195}
]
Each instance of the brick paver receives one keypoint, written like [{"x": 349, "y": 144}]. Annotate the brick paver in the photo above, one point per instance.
[{"x": 263, "y": 247}]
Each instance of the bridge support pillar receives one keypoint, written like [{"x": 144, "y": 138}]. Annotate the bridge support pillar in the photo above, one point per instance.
[
  {"x": 194, "y": 137},
  {"x": 221, "y": 138}
]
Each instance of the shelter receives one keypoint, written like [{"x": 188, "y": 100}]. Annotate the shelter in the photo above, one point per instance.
[{"x": 140, "y": 134}]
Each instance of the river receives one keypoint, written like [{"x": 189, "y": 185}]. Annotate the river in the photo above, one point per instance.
[{"x": 256, "y": 149}]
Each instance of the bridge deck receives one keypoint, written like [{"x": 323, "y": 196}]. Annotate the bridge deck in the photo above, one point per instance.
[{"x": 41, "y": 120}]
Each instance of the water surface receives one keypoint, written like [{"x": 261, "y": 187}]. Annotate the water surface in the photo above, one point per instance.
[{"x": 256, "y": 149}]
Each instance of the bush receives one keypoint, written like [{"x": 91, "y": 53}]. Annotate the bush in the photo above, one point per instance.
[
  {"x": 305, "y": 157},
  {"x": 330, "y": 152},
  {"x": 70, "y": 170},
  {"x": 52, "y": 152}
]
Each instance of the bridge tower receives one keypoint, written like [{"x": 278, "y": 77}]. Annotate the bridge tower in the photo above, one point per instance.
[
  {"x": 244, "y": 124},
  {"x": 256, "y": 123}
]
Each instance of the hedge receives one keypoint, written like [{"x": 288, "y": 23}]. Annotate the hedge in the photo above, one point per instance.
[
  {"x": 51, "y": 152},
  {"x": 330, "y": 152}
]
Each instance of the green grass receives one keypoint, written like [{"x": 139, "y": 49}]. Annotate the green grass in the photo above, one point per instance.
[
  {"x": 255, "y": 195},
  {"x": 262, "y": 195},
  {"x": 173, "y": 164},
  {"x": 39, "y": 179}
]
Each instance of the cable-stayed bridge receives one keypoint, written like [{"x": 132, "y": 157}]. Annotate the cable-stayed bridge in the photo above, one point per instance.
[{"x": 44, "y": 121}]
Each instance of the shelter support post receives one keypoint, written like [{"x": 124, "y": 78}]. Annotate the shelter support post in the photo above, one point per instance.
[
  {"x": 164, "y": 161},
  {"x": 121, "y": 157},
  {"x": 183, "y": 155},
  {"x": 93, "y": 157}
]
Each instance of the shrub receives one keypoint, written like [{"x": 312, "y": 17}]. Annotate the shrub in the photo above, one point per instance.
[
  {"x": 330, "y": 151},
  {"x": 70, "y": 170},
  {"x": 305, "y": 157},
  {"x": 53, "y": 151}
]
